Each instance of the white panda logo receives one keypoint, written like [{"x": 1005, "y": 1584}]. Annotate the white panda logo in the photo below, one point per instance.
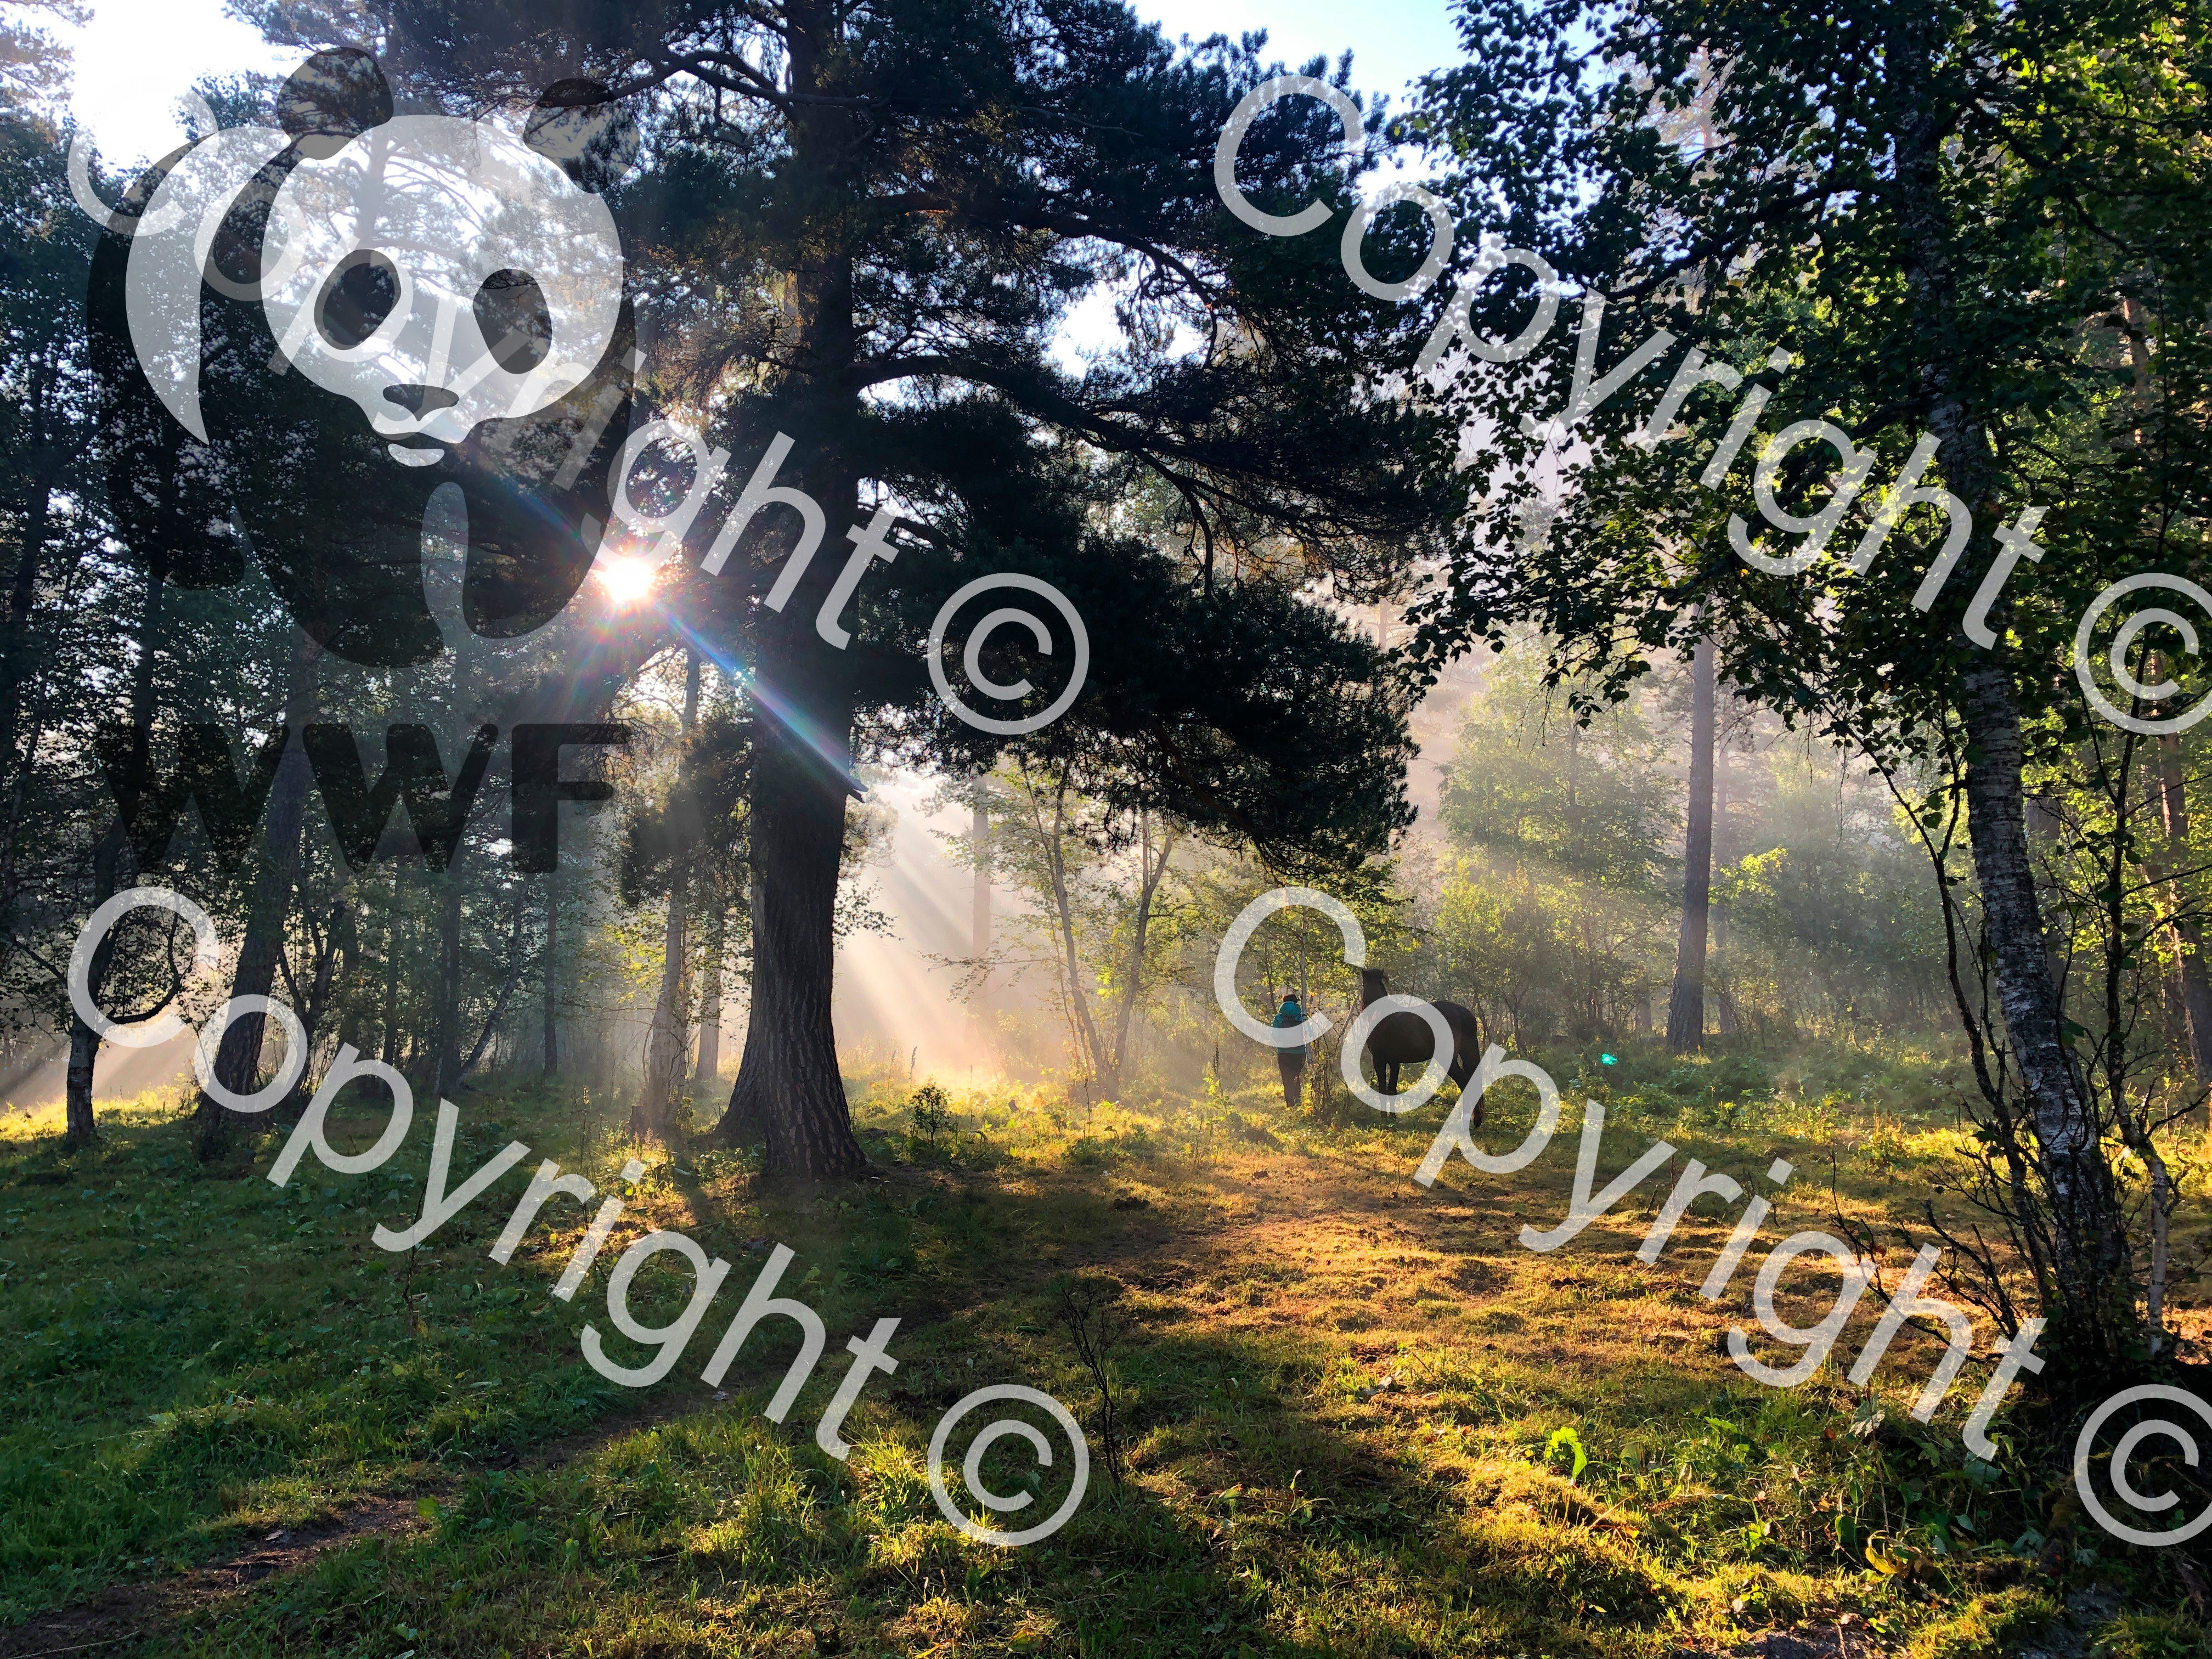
[
  {"x": 387, "y": 250},
  {"x": 459, "y": 287}
]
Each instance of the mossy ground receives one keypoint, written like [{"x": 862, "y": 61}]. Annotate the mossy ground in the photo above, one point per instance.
[{"x": 1363, "y": 1418}]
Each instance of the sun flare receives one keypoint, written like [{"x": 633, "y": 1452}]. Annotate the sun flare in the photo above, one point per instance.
[{"x": 629, "y": 581}]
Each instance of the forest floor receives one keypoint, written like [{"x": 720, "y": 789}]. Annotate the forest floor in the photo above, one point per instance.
[{"x": 1362, "y": 1418}]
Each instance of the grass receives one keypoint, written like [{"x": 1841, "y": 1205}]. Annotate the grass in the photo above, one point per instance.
[{"x": 1362, "y": 1419}]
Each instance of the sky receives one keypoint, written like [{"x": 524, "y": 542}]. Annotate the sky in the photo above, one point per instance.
[{"x": 136, "y": 56}]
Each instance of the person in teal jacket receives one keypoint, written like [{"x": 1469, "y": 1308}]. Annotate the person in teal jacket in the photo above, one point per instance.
[{"x": 1291, "y": 1061}]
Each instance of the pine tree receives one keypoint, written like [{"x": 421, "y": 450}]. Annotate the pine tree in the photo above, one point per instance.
[{"x": 860, "y": 228}]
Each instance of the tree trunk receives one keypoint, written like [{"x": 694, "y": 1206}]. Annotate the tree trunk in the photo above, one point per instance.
[
  {"x": 1149, "y": 874},
  {"x": 347, "y": 970},
  {"x": 15, "y": 641},
  {"x": 979, "y": 912},
  {"x": 709, "y": 1064},
  {"x": 669, "y": 1037},
  {"x": 238, "y": 1058},
  {"x": 330, "y": 963},
  {"x": 2194, "y": 982},
  {"x": 789, "y": 1093},
  {"x": 446, "y": 1053},
  {"x": 78, "y": 1124},
  {"x": 1686, "y": 1008},
  {"x": 551, "y": 1033},
  {"x": 1053, "y": 842},
  {"x": 1725, "y": 1018},
  {"x": 2087, "y": 1242},
  {"x": 78, "y": 1127},
  {"x": 395, "y": 940}
]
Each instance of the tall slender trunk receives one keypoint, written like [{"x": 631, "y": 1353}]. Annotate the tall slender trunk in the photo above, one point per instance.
[
  {"x": 348, "y": 969},
  {"x": 2086, "y": 1237},
  {"x": 2087, "y": 1242},
  {"x": 16, "y": 635},
  {"x": 1149, "y": 873},
  {"x": 709, "y": 1064},
  {"x": 1686, "y": 1008},
  {"x": 669, "y": 1037},
  {"x": 395, "y": 943},
  {"x": 78, "y": 1124},
  {"x": 979, "y": 910},
  {"x": 1724, "y": 1009},
  {"x": 551, "y": 1036},
  {"x": 446, "y": 1050},
  {"x": 238, "y": 1058},
  {"x": 2193, "y": 980},
  {"x": 332, "y": 958},
  {"x": 1053, "y": 841}
]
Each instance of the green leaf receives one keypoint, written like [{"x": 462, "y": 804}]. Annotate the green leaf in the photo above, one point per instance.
[{"x": 1568, "y": 1438}]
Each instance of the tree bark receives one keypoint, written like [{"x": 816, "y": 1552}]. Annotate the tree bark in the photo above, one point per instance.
[
  {"x": 1053, "y": 841},
  {"x": 669, "y": 1036},
  {"x": 979, "y": 911},
  {"x": 15, "y": 641},
  {"x": 1686, "y": 1007},
  {"x": 1149, "y": 874},
  {"x": 79, "y": 1126},
  {"x": 2193, "y": 980},
  {"x": 446, "y": 1054},
  {"x": 348, "y": 971},
  {"x": 789, "y": 1094},
  {"x": 551, "y": 1031},
  {"x": 1725, "y": 1018},
  {"x": 710, "y": 1063},
  {"x": 238, "y": 1058},
  {"x": 394, "y": 946},
  {"x": 2086, "y": 1240}
]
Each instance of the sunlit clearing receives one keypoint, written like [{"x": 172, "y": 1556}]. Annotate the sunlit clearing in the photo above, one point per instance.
[{"x": 628, "y": 580}]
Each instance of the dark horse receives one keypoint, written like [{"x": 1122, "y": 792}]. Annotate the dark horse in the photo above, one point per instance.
[{"x": 1404, "y": 1039}]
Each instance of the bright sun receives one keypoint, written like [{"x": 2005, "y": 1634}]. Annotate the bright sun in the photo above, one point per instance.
[{"x": 628, "y": 580}]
